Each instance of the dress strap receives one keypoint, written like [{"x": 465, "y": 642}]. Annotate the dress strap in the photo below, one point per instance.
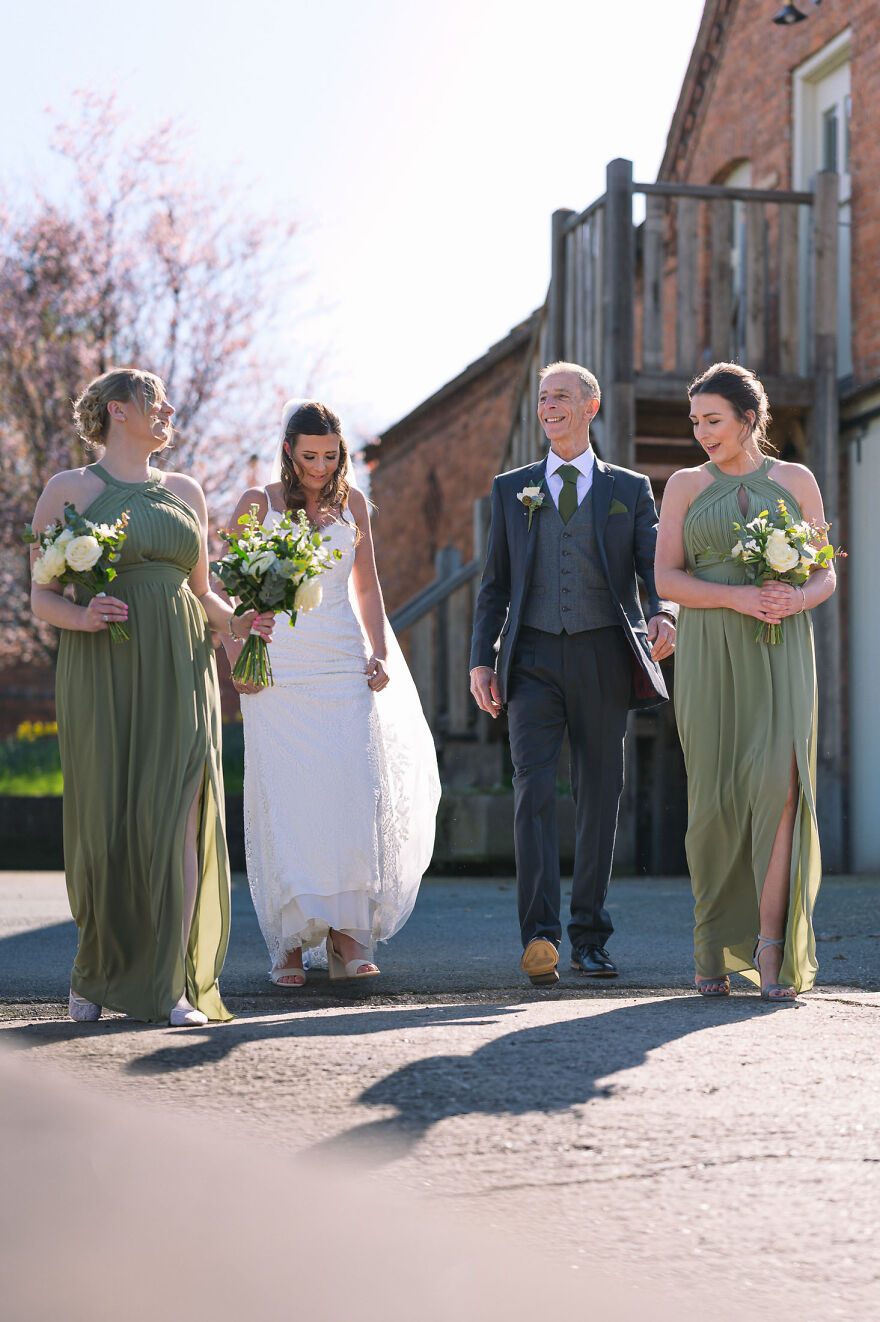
[
  {"x": 112, "y": 481},
  {"x": 739, "y": 478}
]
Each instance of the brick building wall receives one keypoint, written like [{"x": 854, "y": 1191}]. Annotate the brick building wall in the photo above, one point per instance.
[
  {"x": 428, "y": 469},
  {"x": 736, "y": 104}
]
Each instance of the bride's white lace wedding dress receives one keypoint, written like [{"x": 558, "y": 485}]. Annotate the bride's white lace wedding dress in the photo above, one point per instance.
[{"x": 340, "y": 784}]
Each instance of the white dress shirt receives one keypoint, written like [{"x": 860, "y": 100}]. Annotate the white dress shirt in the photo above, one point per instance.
[{"x": 583, "y": 463}]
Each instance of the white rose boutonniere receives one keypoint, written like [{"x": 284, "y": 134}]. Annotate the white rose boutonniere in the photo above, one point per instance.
[{"x": 532, "y": 498}]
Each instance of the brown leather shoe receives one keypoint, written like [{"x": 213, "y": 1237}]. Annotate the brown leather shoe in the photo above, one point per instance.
[{"x": 539, "y": 961}]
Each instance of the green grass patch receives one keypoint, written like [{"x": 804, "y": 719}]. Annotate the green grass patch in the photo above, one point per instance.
[{"x": 32, "y": 766}]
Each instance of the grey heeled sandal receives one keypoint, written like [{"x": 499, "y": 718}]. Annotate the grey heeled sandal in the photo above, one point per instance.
[{"x": 776, "y": 992}]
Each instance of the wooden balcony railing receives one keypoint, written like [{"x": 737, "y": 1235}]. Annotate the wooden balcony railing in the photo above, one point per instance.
[{"x": 710, "y": 273}]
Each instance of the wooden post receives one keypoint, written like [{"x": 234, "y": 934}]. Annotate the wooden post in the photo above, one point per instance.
[
  {"x": 421, "y": 664},
  {"x": 618, "y": 296},
  {"x": 558, "y": 280},
  {"x": 721, "y": 286},
  {"x": 789, "y": 291},
  {"x": 756, "y": 286},
  {"x": 830, "y": 795},
  {"x": 687, "y": 291},
  {"x": 460, "y": 708},
  {"x": 482, "y": 515},
  {"x": 446, "y": 561},
  {"x": 652, "y": 284}
]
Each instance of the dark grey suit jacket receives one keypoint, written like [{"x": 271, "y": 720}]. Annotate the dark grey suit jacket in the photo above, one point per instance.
[{"x": 627, "y": 539}]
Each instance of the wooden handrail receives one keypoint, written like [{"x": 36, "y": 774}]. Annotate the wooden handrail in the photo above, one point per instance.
[
  {"x": 430, "y": 597},
  {"x": 721, "y": 191}
]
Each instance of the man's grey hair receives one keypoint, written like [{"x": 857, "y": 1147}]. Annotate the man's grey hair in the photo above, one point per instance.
[{"x": 584, "y": 375}]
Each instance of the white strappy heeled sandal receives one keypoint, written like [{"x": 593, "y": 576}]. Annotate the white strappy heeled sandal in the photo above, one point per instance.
[
  {"x": 276, "y": 974},
  {"x": 355, "y": 968}
]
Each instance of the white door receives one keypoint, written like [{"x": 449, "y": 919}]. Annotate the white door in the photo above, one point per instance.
[
  {"x": 822, "y": 106},
  {"x": 864, "y": 630}
]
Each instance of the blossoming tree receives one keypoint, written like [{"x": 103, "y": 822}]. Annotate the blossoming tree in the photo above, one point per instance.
[{"x": 140, "y": 263}]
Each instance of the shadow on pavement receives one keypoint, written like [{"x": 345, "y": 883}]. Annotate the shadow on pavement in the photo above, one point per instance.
[{"x": 549, "y": 1068}]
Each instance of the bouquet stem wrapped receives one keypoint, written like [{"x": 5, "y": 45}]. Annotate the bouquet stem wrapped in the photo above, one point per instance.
[{"x": 273, "y": 569}]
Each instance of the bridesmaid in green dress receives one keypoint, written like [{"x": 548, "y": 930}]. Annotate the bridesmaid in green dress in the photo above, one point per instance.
[
  {"x": 746, "y": 710},
  {"x": 139, "y": 725}
]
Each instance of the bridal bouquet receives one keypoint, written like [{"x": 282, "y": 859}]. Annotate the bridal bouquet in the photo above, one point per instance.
[
  {"x": 780, "y": 549},
  {"x": 271, "y": 569},
  {"x": 76, "y": 550}
]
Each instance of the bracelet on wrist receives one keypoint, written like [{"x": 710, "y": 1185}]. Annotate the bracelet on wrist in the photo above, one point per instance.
[
  {"x": 804, "y": 607},
  {"x": 234, "y": 636}
]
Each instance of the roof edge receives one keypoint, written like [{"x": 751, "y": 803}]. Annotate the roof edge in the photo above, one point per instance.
[
  {"x": 515, "y": 339},
  {"x": 696, "y": 85}
]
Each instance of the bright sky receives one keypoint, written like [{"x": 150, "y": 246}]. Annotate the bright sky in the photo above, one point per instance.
[{"x": 423, "y": 145}]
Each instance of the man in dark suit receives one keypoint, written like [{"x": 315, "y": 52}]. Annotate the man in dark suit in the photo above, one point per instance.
[{"x": 561, "y": 641}]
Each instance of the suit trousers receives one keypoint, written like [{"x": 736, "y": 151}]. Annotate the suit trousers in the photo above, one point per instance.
[{"x": 580, "y": 683}]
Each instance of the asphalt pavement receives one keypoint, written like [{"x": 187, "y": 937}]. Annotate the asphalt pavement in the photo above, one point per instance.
[
  {"x": 462, "y": 939},
  {"x": 643, "y": 1152}
]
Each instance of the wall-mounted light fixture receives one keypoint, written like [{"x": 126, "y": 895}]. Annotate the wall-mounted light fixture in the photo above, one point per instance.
[{"x": 789, "y": 14}]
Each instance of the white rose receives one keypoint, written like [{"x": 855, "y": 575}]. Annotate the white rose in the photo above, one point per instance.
[
  {"x": 528, "y": 493},
  {"x": 50, "y": 565},
  {"x": 308, "y": 595},
  {"x": 63, "y": 538},
  {"x": 780, "y": 555},
  {"x": 82, "y": 553},
  {"x": 261, "y": 562}
]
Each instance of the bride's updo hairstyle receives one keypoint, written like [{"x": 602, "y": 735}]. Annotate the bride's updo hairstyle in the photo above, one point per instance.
[
  {"x": 122, "y": 384},
  {"x": 314, "y": 419},
  {"x": 743, "y": 392}
]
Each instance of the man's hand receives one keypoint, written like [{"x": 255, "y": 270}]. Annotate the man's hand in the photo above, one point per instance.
[
  {"x": 484, "y": 687},
  {"x": 661, "y": 632}
]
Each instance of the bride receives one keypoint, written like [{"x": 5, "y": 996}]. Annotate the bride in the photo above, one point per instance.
[{"x": 340, "y": 785}]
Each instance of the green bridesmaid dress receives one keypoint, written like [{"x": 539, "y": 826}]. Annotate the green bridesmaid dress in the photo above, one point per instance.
[
  {"x": 139, "y": 730},
  {"x": 743, "y": 707}
]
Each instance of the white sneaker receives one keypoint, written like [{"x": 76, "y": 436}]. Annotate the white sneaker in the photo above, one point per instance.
[
  {"x": 83, "y": 1011},
  {"x": 185, "y": 1015}
]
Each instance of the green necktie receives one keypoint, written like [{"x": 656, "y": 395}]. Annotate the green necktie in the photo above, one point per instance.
[{"x": 568, "y": 496}]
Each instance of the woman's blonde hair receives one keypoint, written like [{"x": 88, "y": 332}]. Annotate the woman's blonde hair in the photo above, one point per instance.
[{"x": 90, "y": 416}]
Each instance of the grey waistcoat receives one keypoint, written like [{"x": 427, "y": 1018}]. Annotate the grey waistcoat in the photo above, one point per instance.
[{"x": 568, "y": 592}]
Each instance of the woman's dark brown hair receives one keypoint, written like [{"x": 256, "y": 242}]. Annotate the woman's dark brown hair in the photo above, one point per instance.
[
  {"x": 314, "y": 419},
  {"x": 743, "y": 392}
]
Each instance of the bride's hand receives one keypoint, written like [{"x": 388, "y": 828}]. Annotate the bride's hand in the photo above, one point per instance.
[
  {"x": 246, "y": 688},
  {"x": 752, "y": 601},
  {"x": 377, "y": 675}
]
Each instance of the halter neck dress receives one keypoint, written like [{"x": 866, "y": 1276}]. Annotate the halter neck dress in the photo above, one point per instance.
[
  {"x": 139, "y": 731},
  {"x": 743, "y": 707}
]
